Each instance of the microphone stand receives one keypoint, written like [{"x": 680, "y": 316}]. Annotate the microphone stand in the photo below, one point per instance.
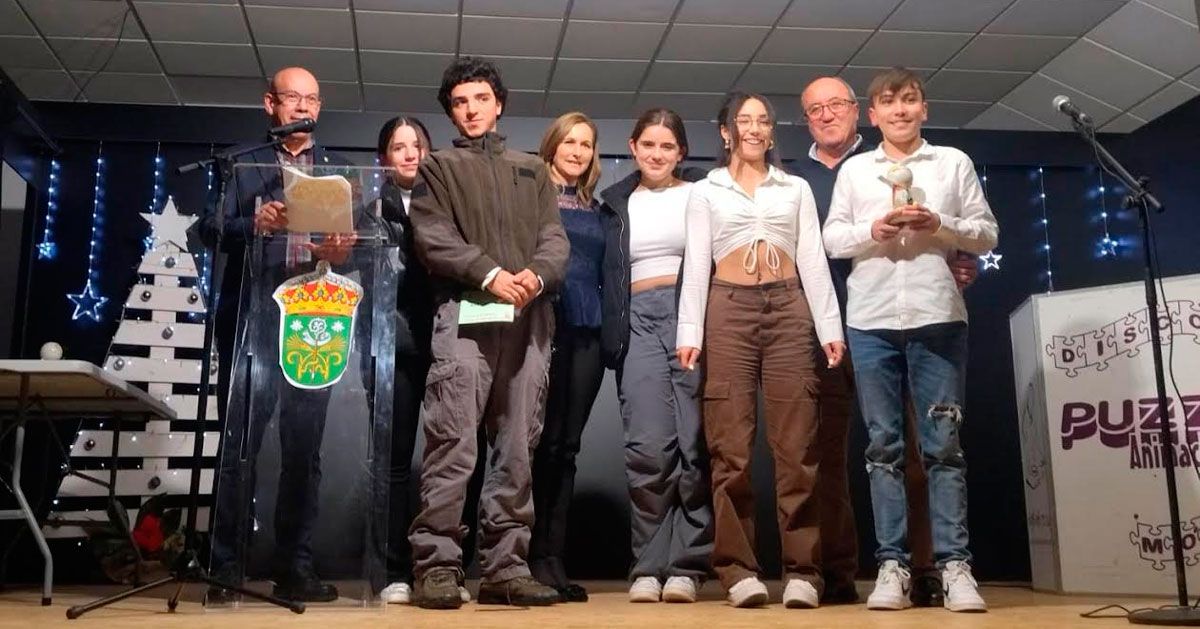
[
  {"x": 1141, "y": 198},
  {"x": 189, "y": 568}
]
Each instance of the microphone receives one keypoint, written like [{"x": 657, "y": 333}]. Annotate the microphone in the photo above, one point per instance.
[
  {"x": 1064, "y": 105},
  {"x": 300, "y": 126}
]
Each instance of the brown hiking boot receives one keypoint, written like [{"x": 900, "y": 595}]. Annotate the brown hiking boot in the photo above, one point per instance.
[
  {"x": 519, "y": 591},
  {"x": 438, "y": 589}
]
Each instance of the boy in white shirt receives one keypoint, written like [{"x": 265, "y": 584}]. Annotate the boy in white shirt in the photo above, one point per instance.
[{"x": 907, "y": 325}]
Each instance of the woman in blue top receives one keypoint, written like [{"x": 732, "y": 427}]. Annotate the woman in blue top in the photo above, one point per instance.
[{"x": 576, "y": 367}]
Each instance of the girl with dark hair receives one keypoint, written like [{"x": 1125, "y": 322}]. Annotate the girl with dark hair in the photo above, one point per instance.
[
  {"x": 664, "y": 446},
  {"x": 576, "y": 370},
  {"x": 403, "y": 143},
  {"x": 764, "y": 306}
]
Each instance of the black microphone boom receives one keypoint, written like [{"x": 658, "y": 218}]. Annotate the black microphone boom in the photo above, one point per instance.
[
  {"x": 300, "y": 126},
  {"x": 1063, "y": 104}
]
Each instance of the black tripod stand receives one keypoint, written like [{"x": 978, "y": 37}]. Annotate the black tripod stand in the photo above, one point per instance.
[
  {"x": 1141, "y": 199},
  {"x": 189, "y": 568}
]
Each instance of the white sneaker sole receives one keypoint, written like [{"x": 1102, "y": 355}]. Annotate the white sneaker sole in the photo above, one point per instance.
[
  {"x": 644, "y": 597},
  {"x": 753, "y": 595},
  {"x": 888, "y": 604},
  {"x": 970, "y": 608},
  {"x": 672, "y": 596}
]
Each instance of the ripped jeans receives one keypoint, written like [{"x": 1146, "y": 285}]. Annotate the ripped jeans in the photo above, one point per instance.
[{"x": 932, "y": 361}]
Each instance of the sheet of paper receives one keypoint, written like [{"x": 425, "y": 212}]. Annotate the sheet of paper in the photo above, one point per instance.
[
  {"x": 480, "y": 311},
  {"x": 317, "y": 204}
]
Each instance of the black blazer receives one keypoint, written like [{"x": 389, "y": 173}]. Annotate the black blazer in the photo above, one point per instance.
[{"x": 614, "y": 300}]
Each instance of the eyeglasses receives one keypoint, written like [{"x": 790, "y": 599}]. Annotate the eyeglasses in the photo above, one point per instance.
[
  {"x": 292, "y": 99},
  {"x": 837, "y": 107},
  {"x": 746, "y": 121}
]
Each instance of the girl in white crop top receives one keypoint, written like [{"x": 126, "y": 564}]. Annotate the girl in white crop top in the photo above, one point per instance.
[
  {"x": 656, "y": 233},
  {"x": 766, "y": 305}
]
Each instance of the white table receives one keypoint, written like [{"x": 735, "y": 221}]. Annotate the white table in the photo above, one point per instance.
[{"x": 50, "y": 390}]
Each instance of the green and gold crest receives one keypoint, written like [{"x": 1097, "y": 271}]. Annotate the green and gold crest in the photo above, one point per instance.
[{"x": 316, "y": 326}]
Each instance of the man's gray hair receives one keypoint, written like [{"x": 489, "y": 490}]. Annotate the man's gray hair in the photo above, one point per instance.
[{"x": 849, "y": 88}]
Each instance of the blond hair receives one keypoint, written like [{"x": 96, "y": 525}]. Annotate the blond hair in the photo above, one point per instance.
[{"x": 556, "y": 133}]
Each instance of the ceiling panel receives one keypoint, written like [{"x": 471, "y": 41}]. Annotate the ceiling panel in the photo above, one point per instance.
[
  {"x": 340, "y": 96},
  {"x": 695, "y": 42},
  {"x": 1104, "y": 74},
  {"x": 194, "y": 23},
  {"x": 44, "y": 84},
  {"x": 150, "y": 89},
  {"x": 275, "y": 26},
  {"x": 595, "y": 104},
  {"x": 400, "y": 98},
  {"x": 308, "y": 4},
  {"x": 925, "y": 50},
  {"x": 690, "y": 106},
  {"x": 1182, "y": 9},
  {"x": 27, "y": 52},
  {"x": 12, "y": 20},
  {"x": 953, "y": 114},
  {"x": 422, "y": 32},
  {"x": 1001, "y": 117},
  {"x": 523, "y": 37},
  {"x": 209, "y": 59},
  {"x": 945, "y": 15},
  {"x": 779, "y": 78},
  {"x": 623, "y": 10},
  {"x": 524, "y": 103},
  {"x": 409, "y": 6},
  {"x": 327, "y": 64},
  {"x": 523, "y": 73},
  {"x": 1192, "y": 78},
  {"x": 811, "y": 46},
  {"x": 756, "y": 13},
  {"x": 404, "y": 68},
  {"x": 80, "y": 18},
  {"x": 1053, "y": 17},
  {"x": 839, "y": 13},
  {"x": 1152, "y": 37},
  {"x": 91, "y": 54},
  {"x": 516, "y": 8},
  {"x": 860, "y": 77},
  {"x": 224, "y": 91},
  {"x": 1164, "y": 100},
  {"x": 973, "y": 85},
  {"x": 681, "y": 76},
  {"x": 594, "y": 40},
  {"x": 598, "y": 75},
  {"x": 1124, "y": 123},
  {"x": 1016, "y": 53},
  {"x": 1033, "y": 98}
]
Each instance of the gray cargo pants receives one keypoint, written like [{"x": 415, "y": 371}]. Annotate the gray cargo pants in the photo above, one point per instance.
[{"x": 496, "y": 373}]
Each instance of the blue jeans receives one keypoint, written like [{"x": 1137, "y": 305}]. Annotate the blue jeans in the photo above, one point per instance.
[{"x": 933, "y": 359}]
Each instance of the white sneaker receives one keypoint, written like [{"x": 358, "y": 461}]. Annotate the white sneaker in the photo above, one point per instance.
[
  {"x": 398, "y": 593},
  {"x": 749, "y": 592},
  {"x": 960, "y": 588},
  {"x": 800, "y": 594},
  {"x": 645, "y": 590},
  {"x": 892, "y": 587},
  {"x": 464, "y": 594},
  {"x": 679, "y": 590}
]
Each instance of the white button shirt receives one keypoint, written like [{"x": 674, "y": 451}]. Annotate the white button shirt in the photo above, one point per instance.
[
  {"x": 906, "y": 282},
  {"x": 721, "y": 218}
]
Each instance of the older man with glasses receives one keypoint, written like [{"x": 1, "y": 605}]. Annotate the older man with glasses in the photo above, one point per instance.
[{"x": 831, "y": 110}]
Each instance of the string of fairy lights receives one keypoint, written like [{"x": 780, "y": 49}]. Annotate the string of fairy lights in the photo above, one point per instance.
[{"x": 88, "y": 301}]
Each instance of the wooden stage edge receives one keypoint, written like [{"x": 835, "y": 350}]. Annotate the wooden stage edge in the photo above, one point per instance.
[{"x": 1011, "y": 606}]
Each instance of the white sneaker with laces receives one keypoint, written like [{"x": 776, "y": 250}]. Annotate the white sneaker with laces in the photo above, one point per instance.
[
  {"x": 960, "y": 589},
  {"x": 749, "y": 592},
  {"x": 398, "y": 593},
  {"x": 892, "y": 587},
  {"x": 800, "y": 594},
  {"x": 679, "y": 590},
  {"x": 645, "y": 590}
]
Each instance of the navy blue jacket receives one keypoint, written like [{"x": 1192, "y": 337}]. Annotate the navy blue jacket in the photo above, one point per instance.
[{"x": 614, "y": 300}]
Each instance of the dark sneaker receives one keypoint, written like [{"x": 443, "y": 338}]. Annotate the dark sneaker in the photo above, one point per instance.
[
  {"x": 572, "y": 593},
  {"x": 519, "y": 591},
  {"x": 926, "y": 591},
  {"x": 840, "y": 594},
  {"x": 306, "y": 587},
  {"x": 438, "y": 589}
]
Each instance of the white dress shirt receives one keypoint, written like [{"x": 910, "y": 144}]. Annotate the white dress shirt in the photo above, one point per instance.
[
  {"x": 721, "y": 218},
  {"x": 906, "y": 282}
]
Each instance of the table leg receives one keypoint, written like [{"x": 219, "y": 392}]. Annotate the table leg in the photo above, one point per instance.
[{"x": 30, "y": 519}]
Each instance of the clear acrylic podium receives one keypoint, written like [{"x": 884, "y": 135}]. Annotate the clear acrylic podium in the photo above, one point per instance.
[{"x": 302, "y": 484}]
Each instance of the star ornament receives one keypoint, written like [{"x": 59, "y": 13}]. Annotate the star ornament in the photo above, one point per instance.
[
  {"x": 991, "y": 260},
  {"x": 46, "y": 250},
  {"x": 87, "y": 302},
  {"x": 169, "y": 226}
]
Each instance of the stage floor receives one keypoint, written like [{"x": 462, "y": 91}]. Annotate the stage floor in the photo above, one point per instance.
[{"x": 1011, "y": 606}]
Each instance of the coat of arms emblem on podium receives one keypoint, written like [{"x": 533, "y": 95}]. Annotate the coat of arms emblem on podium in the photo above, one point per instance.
[{"x": 316, "y": 326}]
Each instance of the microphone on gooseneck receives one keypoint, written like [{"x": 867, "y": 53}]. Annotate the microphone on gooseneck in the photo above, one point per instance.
[{"x": 300, "y": 126}]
